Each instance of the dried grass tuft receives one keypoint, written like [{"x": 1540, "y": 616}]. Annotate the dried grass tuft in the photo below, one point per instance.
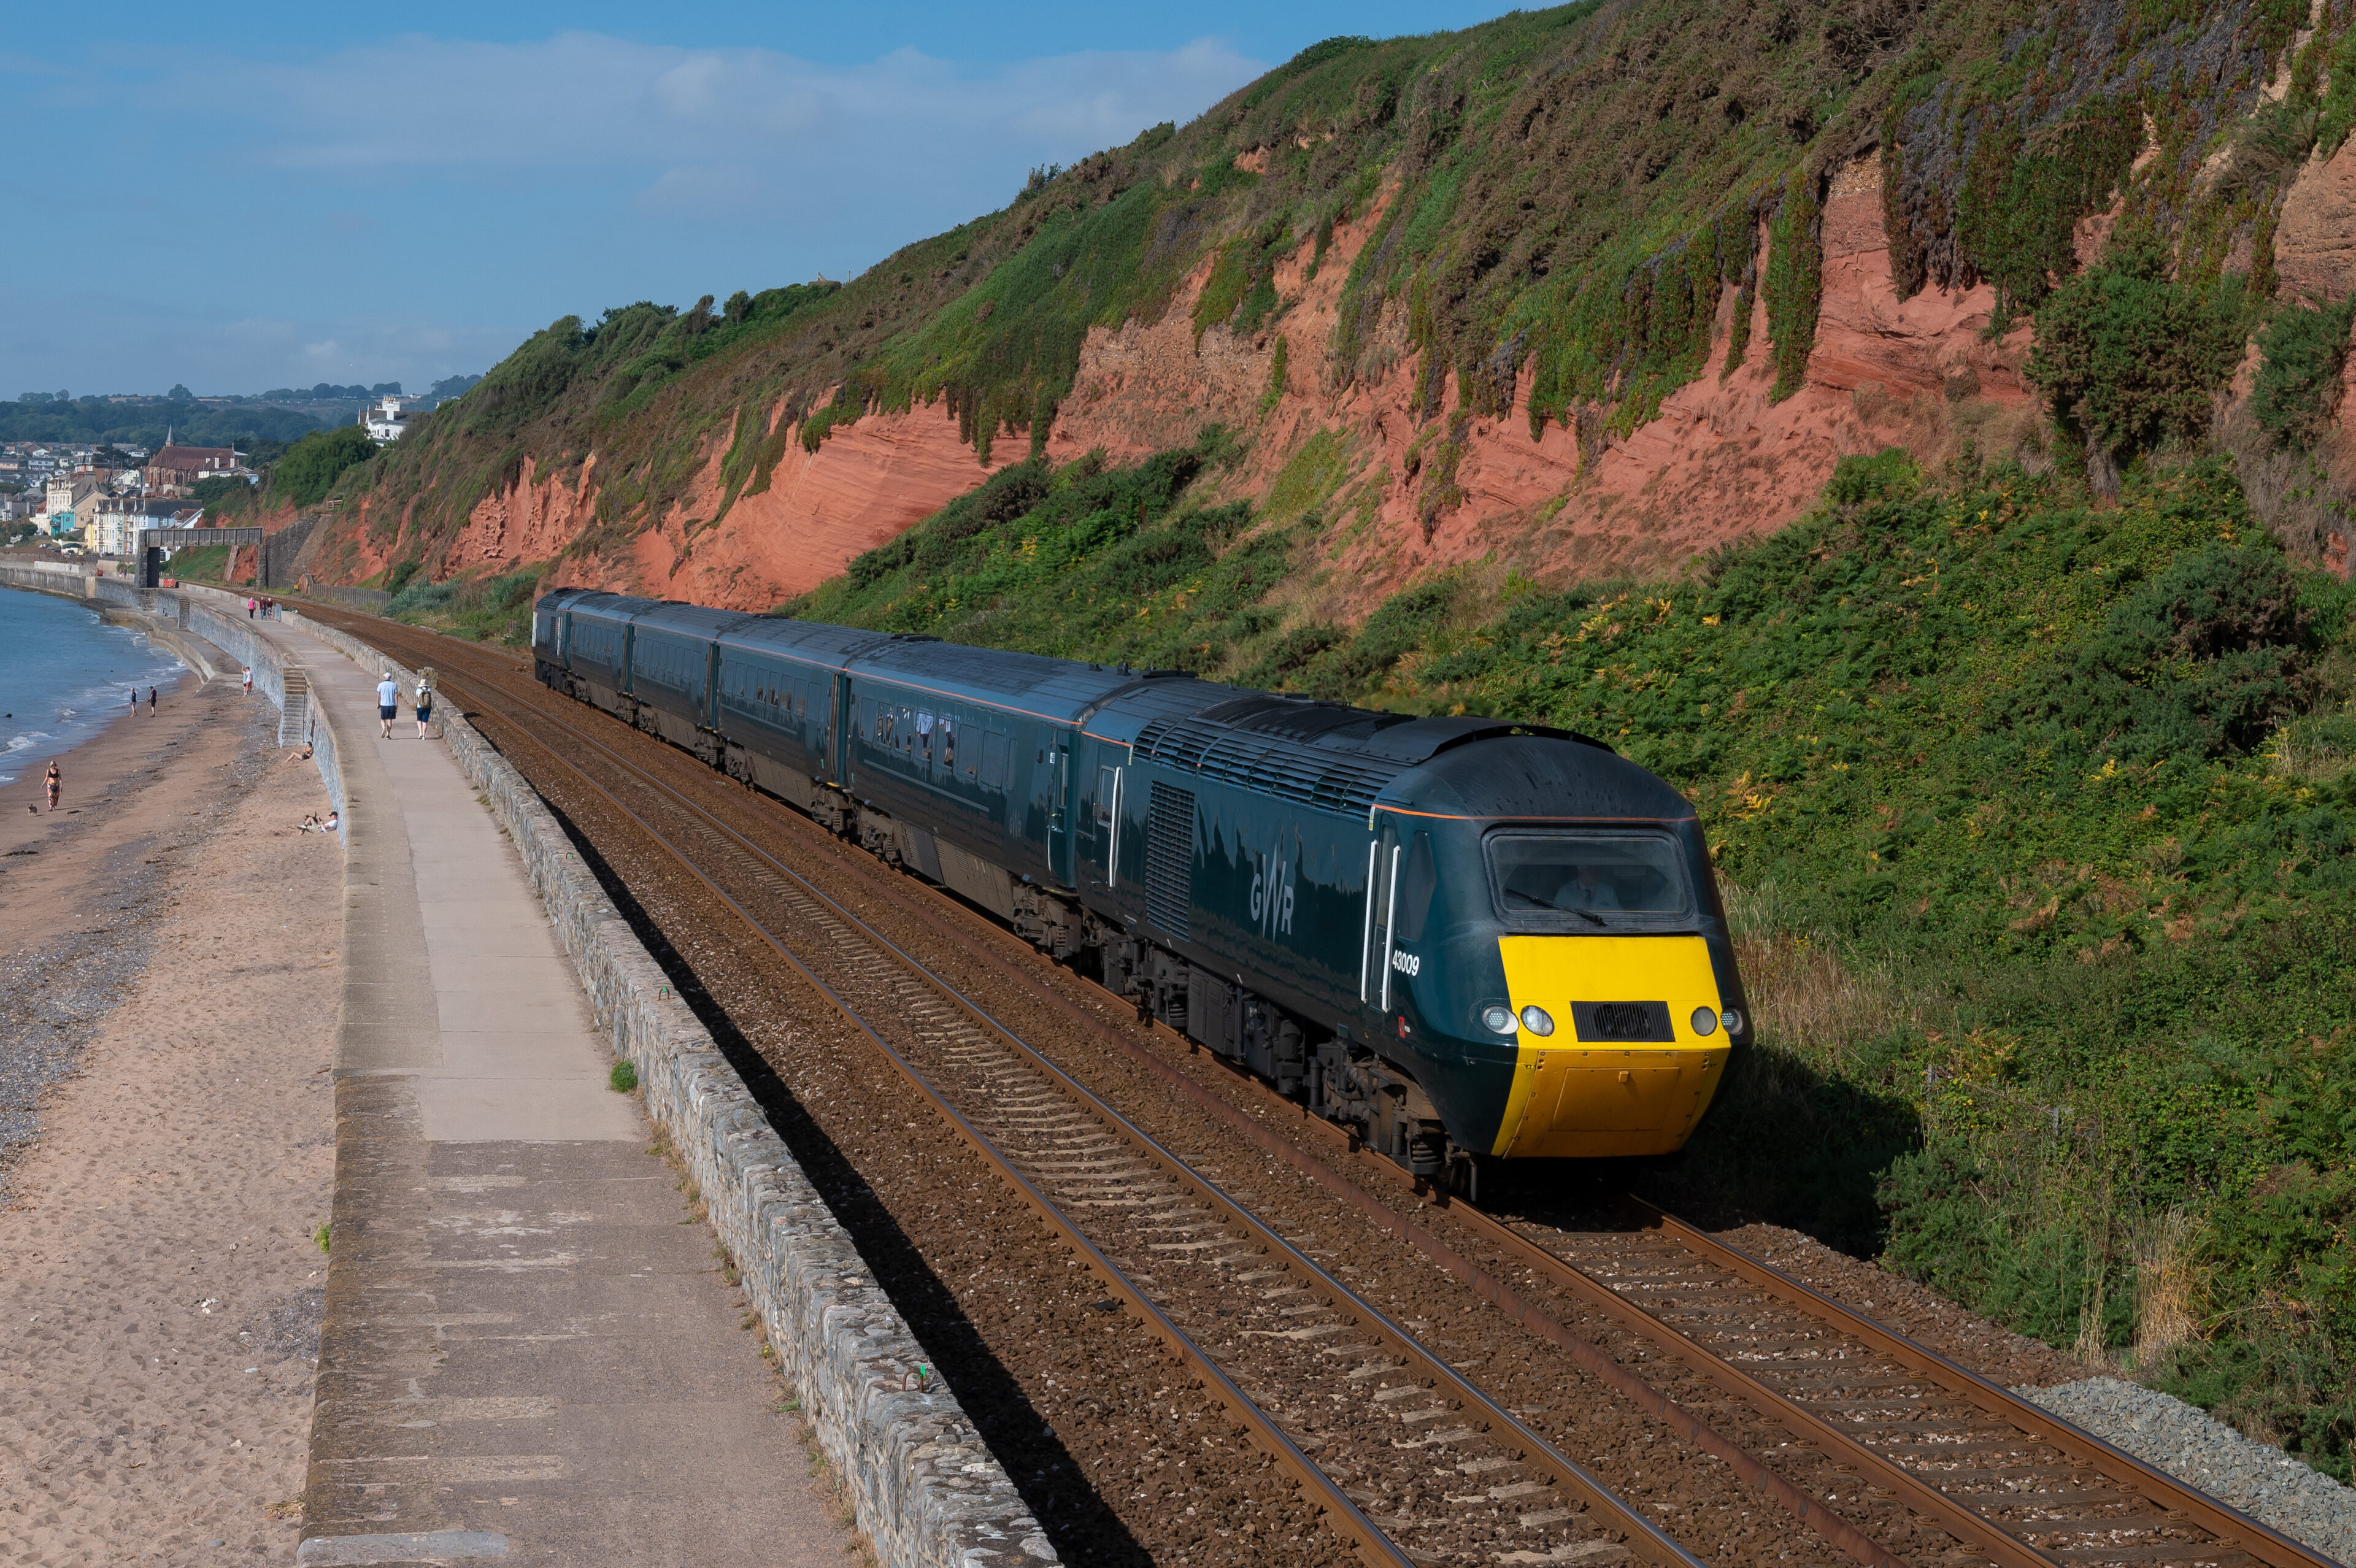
[
  {"x": 2167, "y": 1284},
  {"x": 1807, "y": 996}
]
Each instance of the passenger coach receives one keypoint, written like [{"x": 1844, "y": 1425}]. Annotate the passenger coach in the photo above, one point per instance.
[{"x": 1465, "y": 938}]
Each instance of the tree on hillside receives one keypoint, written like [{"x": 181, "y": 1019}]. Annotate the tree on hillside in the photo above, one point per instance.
[
  {"x": 2129, "y": 357},
  {"x": 312, "y": 466}
]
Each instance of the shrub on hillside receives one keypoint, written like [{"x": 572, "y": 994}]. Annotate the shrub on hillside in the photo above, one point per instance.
[
  {"x": 312, "y": 464},
  {"x": 2303, "y": 350},
  {"x": 2130, "y": 355},
  {"x": 2204, "y": 659}
]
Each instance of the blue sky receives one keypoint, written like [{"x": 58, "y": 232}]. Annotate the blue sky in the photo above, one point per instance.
[{"x": 241, "y": 197}]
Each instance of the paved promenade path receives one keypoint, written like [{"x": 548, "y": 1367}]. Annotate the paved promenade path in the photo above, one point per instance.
[{"x": 529, "y": 1351}]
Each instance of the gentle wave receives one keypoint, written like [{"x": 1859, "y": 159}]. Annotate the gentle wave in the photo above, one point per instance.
[{"x": 55, "y": 643}]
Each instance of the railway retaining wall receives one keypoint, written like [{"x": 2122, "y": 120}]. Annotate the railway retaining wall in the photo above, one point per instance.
[{"x": 928, "y": 1493}]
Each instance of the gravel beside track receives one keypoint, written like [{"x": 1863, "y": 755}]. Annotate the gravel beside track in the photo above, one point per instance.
[{"x": 2264, "y": 1483}]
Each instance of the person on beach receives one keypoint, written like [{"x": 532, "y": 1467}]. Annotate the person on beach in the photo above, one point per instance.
[
  {"x": 313, "y": 825},
  {"x": 247, "y": 671},
  {"x": 388, "y": 705},
  {"x": 424, "y": 708},
  {"x": 52, "y": 782},
  {"x": 151, "y": 702}
]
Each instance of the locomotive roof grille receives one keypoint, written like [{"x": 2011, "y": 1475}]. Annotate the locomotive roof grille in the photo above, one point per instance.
[{"x": 1343, "y": 785}]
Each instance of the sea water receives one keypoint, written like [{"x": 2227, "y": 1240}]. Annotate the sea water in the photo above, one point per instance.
[{"x": 63, "y": 674}]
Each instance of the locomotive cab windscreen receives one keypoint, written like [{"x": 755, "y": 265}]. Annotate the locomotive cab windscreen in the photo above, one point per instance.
[
  {"x": 1569, "y": 882},
  {"x": 1621, "y": 1027}
]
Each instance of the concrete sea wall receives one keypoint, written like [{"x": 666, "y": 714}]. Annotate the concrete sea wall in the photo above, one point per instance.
[{"x": 927, "y": 1491}]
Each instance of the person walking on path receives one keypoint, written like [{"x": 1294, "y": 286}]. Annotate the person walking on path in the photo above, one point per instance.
[
  {"x": 52, "y": 782},
  {"x": 424, "y": 708},
  {"x": 248, "y": 608},
  {"x": 388, "y": 705}
]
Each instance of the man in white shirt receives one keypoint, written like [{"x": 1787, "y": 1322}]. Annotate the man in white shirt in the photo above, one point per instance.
[{"x": 387, "y": 704}]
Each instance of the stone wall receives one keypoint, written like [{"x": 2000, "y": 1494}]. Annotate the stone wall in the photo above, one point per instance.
[
  {"x": 928, "y": 1492},
  {"x": 48, "y": 577}
]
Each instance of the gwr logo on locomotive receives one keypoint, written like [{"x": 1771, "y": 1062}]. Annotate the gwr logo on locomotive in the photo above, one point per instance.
[{"x": 1271, "y": 896}]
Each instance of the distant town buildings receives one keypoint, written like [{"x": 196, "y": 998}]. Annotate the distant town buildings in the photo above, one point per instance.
[
  {"x": 116, "y": 520},
  {"x": 69, "y": 497},
  {"x": 177, "y": 470},
  {"x": 101, "y": 495}
]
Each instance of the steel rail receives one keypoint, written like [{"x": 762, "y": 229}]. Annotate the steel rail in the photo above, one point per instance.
[
  {"x": 1349, "y": 1521},
  {"x": 1645, "y": 1537},
  {"x": 2221, "y": 1519}
]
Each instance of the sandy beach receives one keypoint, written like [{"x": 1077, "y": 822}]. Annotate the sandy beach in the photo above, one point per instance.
[{"x": 168, "y": 985}]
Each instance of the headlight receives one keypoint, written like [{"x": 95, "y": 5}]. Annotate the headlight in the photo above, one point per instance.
[
  {"x": 1497, "y": 1020},
  {"x": 1732, "y": 1020},
  {"x": 1535, "y": 1019},
  {"x": 1704, "y": 1020}
]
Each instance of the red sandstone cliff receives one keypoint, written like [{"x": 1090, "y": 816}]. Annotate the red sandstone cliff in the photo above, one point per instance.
[{"x": 1722, "y": 461}]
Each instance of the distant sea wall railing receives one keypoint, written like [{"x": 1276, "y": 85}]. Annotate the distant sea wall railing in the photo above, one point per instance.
[{"x": 370, "y": 601}]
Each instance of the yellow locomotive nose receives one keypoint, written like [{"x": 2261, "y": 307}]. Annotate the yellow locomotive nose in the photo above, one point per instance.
[{"x": 1621, "y": 1067}]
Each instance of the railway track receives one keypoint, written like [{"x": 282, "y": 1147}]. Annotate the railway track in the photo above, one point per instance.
[{"x": 1891, "y": 1454}]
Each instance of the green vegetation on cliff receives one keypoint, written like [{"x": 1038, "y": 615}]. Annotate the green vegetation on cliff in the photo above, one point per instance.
[
  {"x": 2041, "y": 821},
  {"x": 1565, "y": 201}
]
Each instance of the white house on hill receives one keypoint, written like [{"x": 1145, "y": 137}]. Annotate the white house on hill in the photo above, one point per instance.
[{"x": 387, "y": 419}]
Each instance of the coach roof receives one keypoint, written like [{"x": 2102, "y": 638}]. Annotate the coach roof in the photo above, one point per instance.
[
  {"x": 612, "y": 606},
  {"x": 813, "y": 640},
  {"x": 689, "y": 620},
  {"x": 1054, "y": 689}
]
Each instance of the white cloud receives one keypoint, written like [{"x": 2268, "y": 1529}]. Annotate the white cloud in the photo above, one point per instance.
[{"x": 583, "y": 101}]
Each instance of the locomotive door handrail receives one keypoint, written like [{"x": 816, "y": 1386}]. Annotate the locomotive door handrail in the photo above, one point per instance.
[
  {"x": 1366, "y": 932},
  {"x": 1390, "y": 922},
  {"x": 1112, "y": 833}
]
